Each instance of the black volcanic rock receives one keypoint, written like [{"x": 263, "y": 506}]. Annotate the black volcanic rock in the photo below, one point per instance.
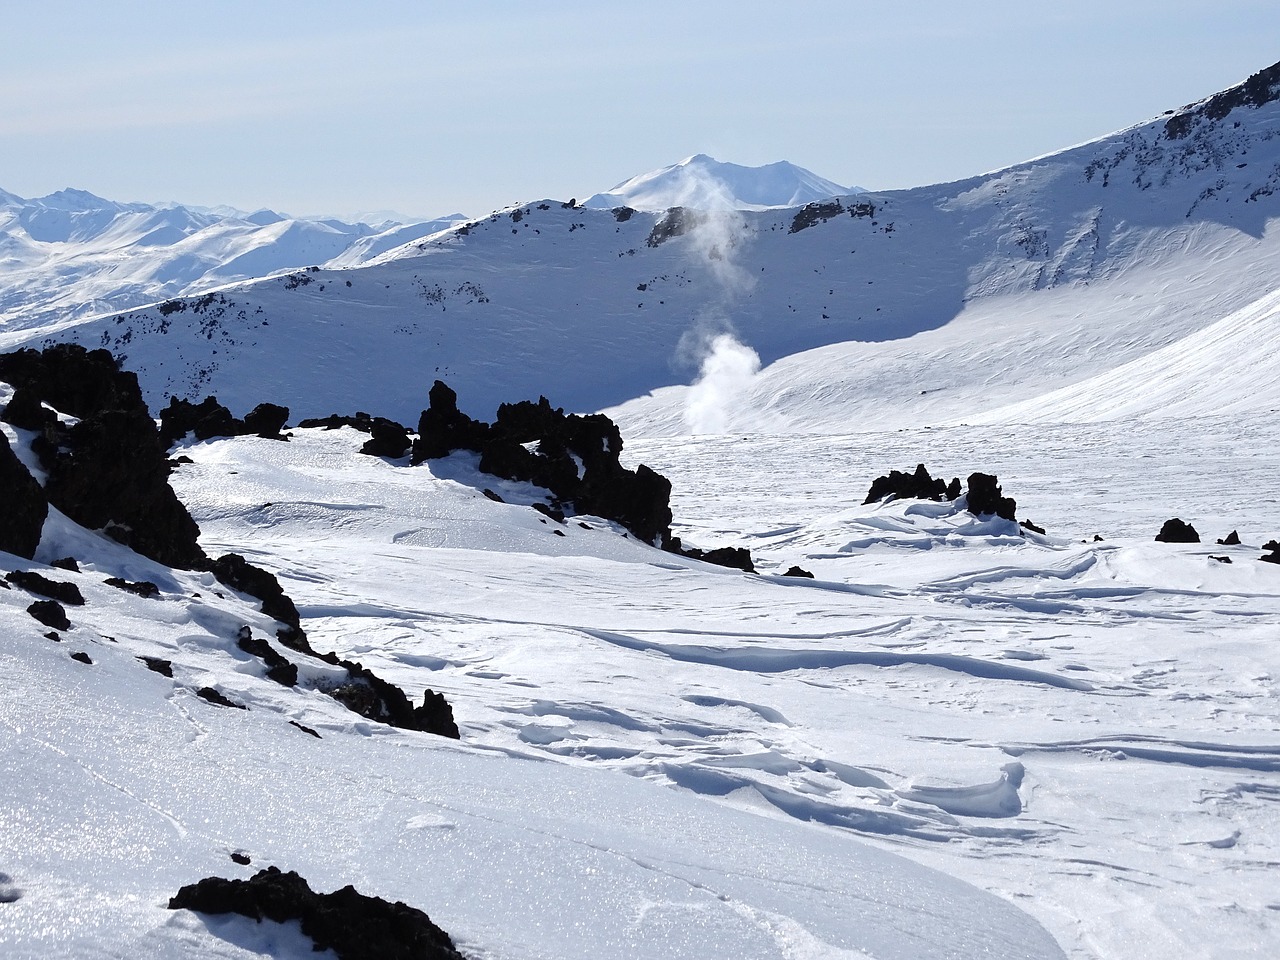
[
  {"x": 1176, "y": 531},
  {"x": 737, "y": 558},
  {"x": 279, "y": 669},
  {"x": 266, "y": 420},
  {"x": 443, "y": 428},
  {"x": 25, "y": 506},
  {"x": 798, "y": 572},
  {"x": 576, "y": 458},
  {"x": 1261, "y": 88},
  {"x": 208, "y": 419},
  {"x": 50, "y": 613},
  {"x": 218, "y": 699},
  {"x": 158, "y": 665},
  {"x": 918, "y": 485},
  {"x": 110, "y": 473},
  {"x": 143, "y": 588},
  {"x": 986, "y": 498},
  {"x": 205, "y": 419},
  {"x": 107, "y": 472},
  {"x": 352, "y": 925},
  {"x": 25, "y": 411},
  {"x": 33, "y": 582},
  {"x": 386, "y": 439},
  {"x": 1232, "y": 539},
  {"x": 238, "y": 574},
  {"x": 370, "y": 696},
  {"x": 73, "y": 380}
]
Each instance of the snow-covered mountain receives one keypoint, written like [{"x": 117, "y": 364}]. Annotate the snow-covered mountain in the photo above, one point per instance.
[
  {"x": 73, "y": 254},
  {"x": 706, "y": 183},
  {"x": 942, "y": 303}
]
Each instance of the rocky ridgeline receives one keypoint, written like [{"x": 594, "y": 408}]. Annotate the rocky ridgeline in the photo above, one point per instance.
[{"x": 106, "y": 467}]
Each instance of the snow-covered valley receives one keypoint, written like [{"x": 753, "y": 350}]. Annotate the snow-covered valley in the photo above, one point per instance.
[{"x": 959, "y": 737}]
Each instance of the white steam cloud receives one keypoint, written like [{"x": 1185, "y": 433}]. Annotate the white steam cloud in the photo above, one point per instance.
[{"x": 728, "y": 367}]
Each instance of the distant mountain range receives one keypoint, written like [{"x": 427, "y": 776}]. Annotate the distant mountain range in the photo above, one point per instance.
[
  {"x": 704, "y": 182},
  {"x": 73, "y": 254}
]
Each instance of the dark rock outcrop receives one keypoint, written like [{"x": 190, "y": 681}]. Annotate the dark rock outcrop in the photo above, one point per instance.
[
  {"x": 443, "y": 428},
  {"x": 798, "y": 572},
  {"x": 352, "y": 925},
  {"x": 737, "y": 558},
  {"x": 143, "y": 588},
  {"x": 72, "y": 380},
  {"x": 107, "y": 472},
  {"x": 918, "y": 485},
  {"x": 374, "y": 698},
  {"x": 217, "y": 699},
  {"x": 205, "y": 419},
  {"x": 387, "y": 439},
  {"x": 1176, "y": 531},
  {"x": 1232, "y": 539},
  {"x": 33, "y": 582},
  {"x": 238, "y": 574},
  {"x": 985, "y": 497},
  {"x": 158, "y": 665},
  {"x": 575, "y": 458},
  {"x": 208, "y": 419},
  {"x": 25, "y": 411},
  {"x": 1261, "y": 88},
  {"x": 1274, "y": 555},
  {"x": 110, "y": 473},
  {"x": 25, "y": 506},
  {"x": 279, "y": 669},
  {"x": 266, "y": 420},
  {"x": 50, "y": 613}
]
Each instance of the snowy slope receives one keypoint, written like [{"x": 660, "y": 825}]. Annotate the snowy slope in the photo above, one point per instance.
[
  {"x": 704, "y": 182},
  {"x": 73, "y": 254},
  {"x": 936, "y": 304},
  {"x": 122, "y": 785},
  {"x": 1081, "y": 727},
  {"x": 733, "y": 765}
]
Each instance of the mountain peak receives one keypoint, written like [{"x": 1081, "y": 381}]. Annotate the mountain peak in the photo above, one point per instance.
[{"x": 704, "y": 182}]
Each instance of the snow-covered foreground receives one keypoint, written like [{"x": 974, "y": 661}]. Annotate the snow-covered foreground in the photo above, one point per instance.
[{"x": 1085, "y": 729}]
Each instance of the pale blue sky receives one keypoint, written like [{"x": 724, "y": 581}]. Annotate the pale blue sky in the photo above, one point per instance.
[{"x": 431, "y": 108}]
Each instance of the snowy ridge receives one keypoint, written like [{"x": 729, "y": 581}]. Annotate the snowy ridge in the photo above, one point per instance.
[
  {"x": 929, "y": 305},
  {"x": 704, "y": 182}
]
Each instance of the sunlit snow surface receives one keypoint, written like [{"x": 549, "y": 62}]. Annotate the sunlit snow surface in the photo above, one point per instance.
[{"x": 1086, "y": 730}]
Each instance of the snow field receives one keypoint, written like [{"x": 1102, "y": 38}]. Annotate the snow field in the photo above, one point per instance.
[{"x": 1083, "y": 728}]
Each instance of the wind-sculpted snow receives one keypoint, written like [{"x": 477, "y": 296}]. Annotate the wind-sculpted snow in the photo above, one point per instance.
[
  {"x": 1044, "y": 714},
  {"x": 139, "y": 782},
  {"x": 765, "y": 660}
]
